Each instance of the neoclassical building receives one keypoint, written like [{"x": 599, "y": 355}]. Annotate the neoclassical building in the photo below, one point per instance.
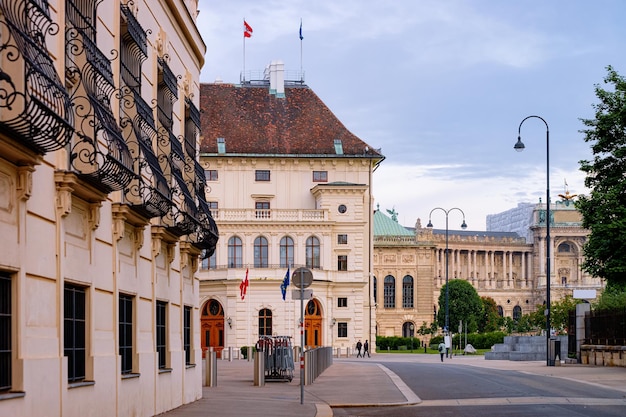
[
  {"x": 289, "y": 186},
  {"x": 102, "y": 210},
  {"x": 506, "y": 263}
]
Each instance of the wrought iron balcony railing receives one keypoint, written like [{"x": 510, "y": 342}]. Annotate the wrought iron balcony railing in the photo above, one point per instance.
[{"x": 35, "y": 108}]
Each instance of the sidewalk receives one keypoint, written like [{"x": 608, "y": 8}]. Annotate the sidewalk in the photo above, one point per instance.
[{"x": 236, "y": 396}]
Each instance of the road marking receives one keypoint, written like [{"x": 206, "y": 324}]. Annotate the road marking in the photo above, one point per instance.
[{"x": 463, "y": 402}]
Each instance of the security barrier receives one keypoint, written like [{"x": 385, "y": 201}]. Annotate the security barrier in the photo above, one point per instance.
[{"x": 315, "y": 362}]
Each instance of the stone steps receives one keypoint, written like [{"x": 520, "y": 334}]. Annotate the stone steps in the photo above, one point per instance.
[{"x": 523, "y": 348}]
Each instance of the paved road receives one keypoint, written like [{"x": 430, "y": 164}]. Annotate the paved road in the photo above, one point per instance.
[{"x": 453, "y": 389}]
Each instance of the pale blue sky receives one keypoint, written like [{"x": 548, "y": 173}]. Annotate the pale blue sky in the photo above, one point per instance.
[{"x": 440, "y": 86}]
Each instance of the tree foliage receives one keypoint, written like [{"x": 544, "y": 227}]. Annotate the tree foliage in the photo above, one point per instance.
[
  {"x": 559, "y": 312},
  {"x": 464, "y": 304},
  {"x": 604, "y": 210},
  {"x": 489, "y": 320},
  {"x": 613, "y": 297}
]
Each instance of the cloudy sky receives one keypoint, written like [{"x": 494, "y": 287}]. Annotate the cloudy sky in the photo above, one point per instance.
[{"x": 441, "y": 86}]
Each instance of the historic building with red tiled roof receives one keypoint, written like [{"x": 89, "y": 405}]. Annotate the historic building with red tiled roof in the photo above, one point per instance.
[{"x": 289, "y": 186}]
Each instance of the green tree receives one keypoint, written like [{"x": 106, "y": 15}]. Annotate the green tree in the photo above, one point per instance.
[
  {"x": 604, "y": 210},
  {"x": 464, "y": 304},
  {"x": 613, "y": 298},
  {"x": 559, "y": 312},
  {"x": 489, "y": 317}
]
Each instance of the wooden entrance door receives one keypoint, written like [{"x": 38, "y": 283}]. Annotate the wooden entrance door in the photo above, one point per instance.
[
  {"x": 212, "y": 327},
  {"x": 313, "y": 325}
]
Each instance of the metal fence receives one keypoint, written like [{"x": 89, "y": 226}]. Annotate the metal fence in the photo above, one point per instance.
[
  {"x": 606, "y": 328},
  {"x": 315, "y": 362}
]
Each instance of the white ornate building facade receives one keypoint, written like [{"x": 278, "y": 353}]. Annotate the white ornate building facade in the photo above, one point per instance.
[
  {"x": 289, "y": 187},
  {"x": 102, "y": 209}
]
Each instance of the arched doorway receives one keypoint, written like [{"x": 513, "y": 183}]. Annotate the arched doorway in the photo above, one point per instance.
[
  {"x": 313, "y": 324},
  {"x": 212, "y": 327}
]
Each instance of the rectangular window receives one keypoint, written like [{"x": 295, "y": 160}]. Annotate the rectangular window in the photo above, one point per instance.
[
  {"x": 210, "y": 174},
  {"x": 74, "y": 331},
  {"x": 5, "y": 333},
  {"x": 342, "y": 263},
  {"x": 187, "y": 335},
  {"x": 342, "y": 239},
  {"x": 161, "y": 322},
  {"x": 320, "y": 176},
  {"x": 262, "y": 209},
  {"x": 342, "y": 329},
  {"x": 213, "y": 207},
  {"x": 126, "y": 332},
  {"x": 262, "y": 175},
  {"x": 342, "y": 302}
]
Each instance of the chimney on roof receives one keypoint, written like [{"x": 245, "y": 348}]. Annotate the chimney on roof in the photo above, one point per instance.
[{"x": 277, "y": 78}]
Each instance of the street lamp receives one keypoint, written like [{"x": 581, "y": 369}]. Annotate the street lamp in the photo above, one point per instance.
[
  {"x": 463, "y": 226},
  {"x": 519, "y": 146},
  {"x": 411, "y": 327}
]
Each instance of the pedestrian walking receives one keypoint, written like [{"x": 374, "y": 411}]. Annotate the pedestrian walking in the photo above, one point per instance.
[
  {"x": 366, "y": 349},
  {"x": 359, "y": 345},
  {"x": 442, "y": 350}
]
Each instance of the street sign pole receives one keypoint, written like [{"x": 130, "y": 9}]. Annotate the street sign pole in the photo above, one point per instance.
[
  {"x": 301, "y": 336},
  {"x": 302, "y": 278}
]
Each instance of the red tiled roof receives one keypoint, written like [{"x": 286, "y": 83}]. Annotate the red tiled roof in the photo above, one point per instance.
[{"x": 253, "y": 121}]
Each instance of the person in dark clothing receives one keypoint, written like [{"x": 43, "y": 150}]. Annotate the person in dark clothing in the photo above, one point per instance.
[
  {"x": 366, "y": 349},
  {"x": 359, "y": 345}
]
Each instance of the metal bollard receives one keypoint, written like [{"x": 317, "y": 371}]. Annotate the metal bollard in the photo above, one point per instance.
[
  {"x": 259, "y": 370},
  {"x": 211, "y": 369},
  {"x": 230, "y": 354}
]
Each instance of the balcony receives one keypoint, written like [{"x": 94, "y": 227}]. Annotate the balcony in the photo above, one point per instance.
[{"x": 272, "y": 215}]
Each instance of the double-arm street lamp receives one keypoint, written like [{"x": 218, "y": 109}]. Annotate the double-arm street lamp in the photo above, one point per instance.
[
  {"x": 463, "y": 226},
  {"x": 519, "y": 146}
]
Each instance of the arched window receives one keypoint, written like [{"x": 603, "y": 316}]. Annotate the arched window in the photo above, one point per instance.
[
  {"x": 313, "y": 252},
  {"x": 210, "y": 262},
  {"x": 389, "y": 292},
  {"x": 408, "y": 329},
  {"x": 375, "y": 290},
  {"x": 235, "y": 251},
  {"x": 407, "y": 292},
  {"x": 265, "y": 322},
  {"x": 517, "y": 313},
  {"x": 565, "y": 247},
  {"x": 286, "y": 252},
  {"x": 260, "y": 252},
  {"x": 500, "y": 311}
]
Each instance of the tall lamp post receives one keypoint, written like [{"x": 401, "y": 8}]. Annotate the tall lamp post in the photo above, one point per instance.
[
  {"x": 519, "y": 146},
  {"x": 463, "y": 226}
]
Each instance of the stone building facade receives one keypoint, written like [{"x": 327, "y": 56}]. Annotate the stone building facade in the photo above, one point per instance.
[
  {"x": 290, "y": 187},
  {"x": 102, "y": 210},
  {"x": 409, "y": 265}
]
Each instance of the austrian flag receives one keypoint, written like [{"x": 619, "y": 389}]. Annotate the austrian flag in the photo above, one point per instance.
[
  {"x": 247, "y": 30},
  {"x": 243, "y": 287}
]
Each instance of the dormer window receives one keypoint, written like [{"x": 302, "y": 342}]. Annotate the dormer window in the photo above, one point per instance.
[
  {"x": 221, "y": 145},
  {"x": 338, "y": 147}
]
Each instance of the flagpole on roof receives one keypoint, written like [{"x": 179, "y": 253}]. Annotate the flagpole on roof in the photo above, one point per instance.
[
  {"x": 243, "y": 75},
  {"x": 301, "y": 37}
]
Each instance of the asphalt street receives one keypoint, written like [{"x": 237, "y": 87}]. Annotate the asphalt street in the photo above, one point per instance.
[{"x": 452, "y": 389}]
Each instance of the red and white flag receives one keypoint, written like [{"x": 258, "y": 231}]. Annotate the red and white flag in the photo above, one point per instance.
[
  {"x": 243, "y": 287},
  {"x": 247, "y": 29}
]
